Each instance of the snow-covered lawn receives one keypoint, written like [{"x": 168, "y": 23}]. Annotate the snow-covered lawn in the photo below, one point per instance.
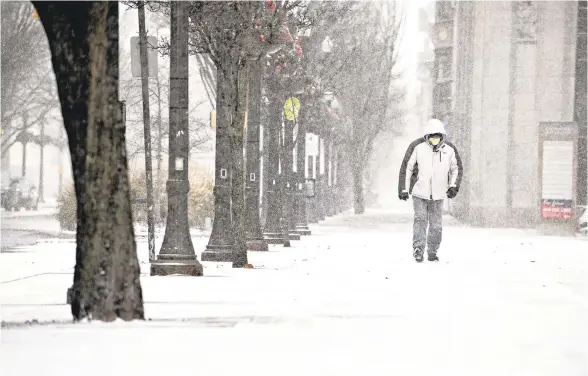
[
  {"x": 349, "y": 299},
  {"x": 42, "y": 211}
]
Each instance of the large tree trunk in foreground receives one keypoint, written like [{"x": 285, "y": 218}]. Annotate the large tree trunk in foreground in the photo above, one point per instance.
[{"x": 83, "y": 37}]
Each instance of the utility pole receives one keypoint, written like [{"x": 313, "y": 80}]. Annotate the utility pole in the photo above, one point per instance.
[
  {"x": 254, "y": 236},
  {"x": 177, "y": 254},
  {"x": 146, "y": 129}
]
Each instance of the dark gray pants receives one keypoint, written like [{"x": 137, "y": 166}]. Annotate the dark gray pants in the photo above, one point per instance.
[{"x": 427, "y": 213}]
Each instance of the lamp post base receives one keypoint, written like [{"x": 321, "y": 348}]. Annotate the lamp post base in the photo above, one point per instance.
[
  {"x": 176, "y": 264},
  {"x": 273, "y": 238},
  {"x": 278, "y": 238},
  {"x": 257, "y": 245},
  {"x": 218, "y": 253},
  {"x": 303, "y": 231}
]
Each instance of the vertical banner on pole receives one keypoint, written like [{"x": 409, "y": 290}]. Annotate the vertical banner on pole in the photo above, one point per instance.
[
  {"x": 312, "y": 151},
  {"x": 558, "y": 144}
]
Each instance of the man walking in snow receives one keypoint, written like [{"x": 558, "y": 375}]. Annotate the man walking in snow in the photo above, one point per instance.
[{"x": 431, "y": 170}]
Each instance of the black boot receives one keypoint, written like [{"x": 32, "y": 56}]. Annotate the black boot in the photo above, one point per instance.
[
  {"x": 418, "y": 254},
  {"x": 433, "y": 257}
]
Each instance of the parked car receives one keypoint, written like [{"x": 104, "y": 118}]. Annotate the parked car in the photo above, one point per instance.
[{"x": 20, "y": 194}]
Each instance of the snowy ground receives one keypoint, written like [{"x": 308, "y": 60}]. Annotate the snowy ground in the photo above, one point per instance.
[
  {"x": 347, "y": 300},
  {"x": 26, "y": 228}
]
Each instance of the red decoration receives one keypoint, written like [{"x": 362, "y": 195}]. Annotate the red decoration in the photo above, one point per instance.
[
  {"x": 298, "y": 47},
  {"x": 270, "y": 4},
  {"x": 286, "y": 32}
]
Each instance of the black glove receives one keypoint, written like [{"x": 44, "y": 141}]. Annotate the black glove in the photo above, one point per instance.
[
  {"x": 451, "y": 192},
  {"x": 403, "y": 196}
]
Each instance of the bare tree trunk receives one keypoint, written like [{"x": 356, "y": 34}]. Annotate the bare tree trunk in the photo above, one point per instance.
[
  {"x": 358, "y": 197},
  {"x": 159, "y": 155},
  {"x": 41, "y": 190},
  {"x": 220, "y": 246},
  {"x": 24, "y": 159},
  {"x": 83, "y": 37},
  {"x": 238, "y": 187}
]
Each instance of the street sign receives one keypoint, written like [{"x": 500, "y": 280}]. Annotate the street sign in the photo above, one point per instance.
[
  {"x": 179, "y": 164},
  {"x": 151, "y": 56},
  {"x": 291, "y": 108},
  {"x": 312, "y": 144},
  {"x": 557, "y": 177}
]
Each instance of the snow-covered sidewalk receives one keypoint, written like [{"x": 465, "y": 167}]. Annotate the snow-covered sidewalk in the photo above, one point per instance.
[{"x": 349, "y": 299}]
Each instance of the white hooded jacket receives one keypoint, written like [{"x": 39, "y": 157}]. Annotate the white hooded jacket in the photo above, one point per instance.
[{"x": 428, "y": 171}]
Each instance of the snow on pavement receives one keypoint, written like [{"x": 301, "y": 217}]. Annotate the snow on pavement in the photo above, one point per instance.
[{"x": 347, "y": 299}]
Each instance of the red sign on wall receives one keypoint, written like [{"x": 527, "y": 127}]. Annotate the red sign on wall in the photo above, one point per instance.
[{"x": 556, "y": 209}]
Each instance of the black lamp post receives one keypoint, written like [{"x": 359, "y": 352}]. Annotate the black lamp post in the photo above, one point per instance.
[
  {"x": 273, "y": 231},
  {"x": 300, "y": 197},
  {"x": 279, "y": 225},
  {"x": 177, "y": 252},
  {"x": 42, "y": 142},
  {"x": 289, "y": 179}
]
